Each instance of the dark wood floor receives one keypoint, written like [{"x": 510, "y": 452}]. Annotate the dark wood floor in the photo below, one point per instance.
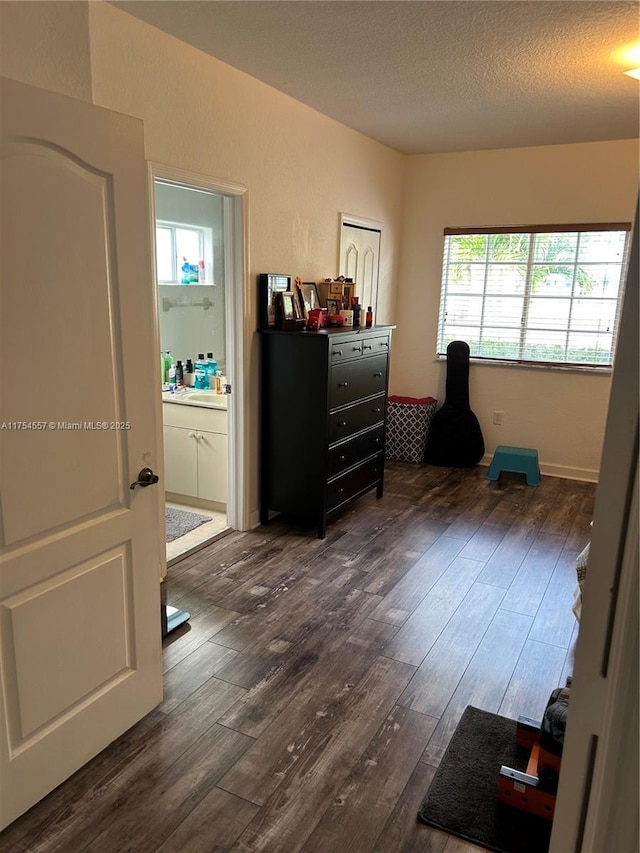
[{"x": 310, "y": 700}]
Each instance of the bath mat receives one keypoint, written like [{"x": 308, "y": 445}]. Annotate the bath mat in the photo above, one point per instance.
[{"x": 179, "y": 521}]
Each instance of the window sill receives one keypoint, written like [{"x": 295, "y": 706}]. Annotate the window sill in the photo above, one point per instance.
[
  {"x": 531, "y": 365},
  {"x": 185, "y": 284}
]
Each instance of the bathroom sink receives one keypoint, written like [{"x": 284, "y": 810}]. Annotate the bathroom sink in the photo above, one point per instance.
[{"x": 204, "y": 396}]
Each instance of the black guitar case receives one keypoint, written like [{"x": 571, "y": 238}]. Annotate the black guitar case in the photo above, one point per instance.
[{"x": 455, "y": 438}]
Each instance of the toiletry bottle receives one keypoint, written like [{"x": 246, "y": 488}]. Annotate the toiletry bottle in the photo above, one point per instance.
[
  {"x": 356, "y": 316},
  {"x": 200, "y": 370},
  {"x": 179, "y": 374},
  {"x": 162, "y": 369},
  {"x": 189, "y": 376},
  {"x": 172, "y": 379},
  {"x": 186, "y": 272},
  {"x": 212, "y": 369},
  {"x": 168, "y": 362},
  {"x": 369, "y": 318},
  {"x": 202, "y": 277}
]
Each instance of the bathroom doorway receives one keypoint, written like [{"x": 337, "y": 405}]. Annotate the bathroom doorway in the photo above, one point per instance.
[{"x": 198, "y": 255}]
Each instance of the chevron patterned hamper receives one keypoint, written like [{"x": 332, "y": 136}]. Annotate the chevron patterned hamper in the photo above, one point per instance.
[{"x": 408, "y": 420}]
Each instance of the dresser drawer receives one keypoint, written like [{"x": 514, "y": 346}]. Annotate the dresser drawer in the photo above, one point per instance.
[
  {"x": 372, "y": 345},
  {"x": 355, "y": 379},
  {"x": 350, "y": 452},
  {"x": 359, "y": 479},
  {"x": 355, "y": 418},
  {"x": 342, "y": 350}
]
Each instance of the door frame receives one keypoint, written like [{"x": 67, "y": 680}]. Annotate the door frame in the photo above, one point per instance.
[
  {"x": 366, "y": 224},
  {"x": 236, "y": 302}
]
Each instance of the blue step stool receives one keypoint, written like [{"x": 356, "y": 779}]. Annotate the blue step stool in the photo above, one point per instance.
[{"x": 521, "y": 460}]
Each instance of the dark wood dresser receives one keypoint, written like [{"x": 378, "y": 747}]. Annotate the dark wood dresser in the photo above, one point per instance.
[{"x": 323, "y": 412}]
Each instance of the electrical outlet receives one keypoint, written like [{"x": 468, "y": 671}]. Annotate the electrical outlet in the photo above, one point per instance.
[{"x": 497, "y": 418}]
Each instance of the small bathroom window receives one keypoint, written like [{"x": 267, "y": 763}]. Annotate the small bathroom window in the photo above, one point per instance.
[{"x": 184, "y": 253}]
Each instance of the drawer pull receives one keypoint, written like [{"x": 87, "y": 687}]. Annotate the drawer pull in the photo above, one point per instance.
[
  {"x": 337, "y": 352},
  {"x": 384, "y": 343},
  {"x": 366, "y": 346},
  {"x": 376, "y": 411},
  {"x": 342, "y": 458},
  {"x": 377, "y": 375},
  {"x": 345, "y": 384},
  {"x": 375, "y": 440},
  {"x": 342, "y": 423},
  {"x": 356, "y": 349}
]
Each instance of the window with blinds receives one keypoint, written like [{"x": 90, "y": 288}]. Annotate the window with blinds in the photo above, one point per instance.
[{"x": 549, "y": 293}]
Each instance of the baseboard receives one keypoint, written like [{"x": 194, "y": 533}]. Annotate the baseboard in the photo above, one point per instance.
[
  {"x": 190, "y": 500},
  {"x": 586, "y": 475}
]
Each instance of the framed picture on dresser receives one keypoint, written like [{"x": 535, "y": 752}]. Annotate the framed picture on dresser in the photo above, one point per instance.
[
  {"x": 289, "y": 305},
  {"x": 334, "y": 305},
  {"x": 270, "y": 285},
  {"x": 309, "y": 297},
  {"x": 288, "y": 312}
]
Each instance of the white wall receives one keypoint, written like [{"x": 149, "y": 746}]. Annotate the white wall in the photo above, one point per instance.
[
  {"x": 301, "y": 168},
  {"x": 46, "y": 44},
  {"x": 562, "y": 414}
]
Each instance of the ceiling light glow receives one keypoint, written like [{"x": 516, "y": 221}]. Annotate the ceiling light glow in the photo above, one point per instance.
[
  {"x": 635, "y": 72},
  {"x": 628, "y": 54}
]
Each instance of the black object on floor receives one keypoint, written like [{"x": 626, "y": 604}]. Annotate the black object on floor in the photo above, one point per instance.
[
  {"x": 455, "y": 438},
  {"x": 463, "y": 796}
]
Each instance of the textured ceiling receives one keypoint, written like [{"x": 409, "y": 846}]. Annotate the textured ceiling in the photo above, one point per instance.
[{"x": 444, "y": 75}]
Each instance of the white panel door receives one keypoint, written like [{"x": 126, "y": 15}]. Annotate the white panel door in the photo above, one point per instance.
[
  {"x": 80, "y": 653},
  {"x": 360, "y": 260}
]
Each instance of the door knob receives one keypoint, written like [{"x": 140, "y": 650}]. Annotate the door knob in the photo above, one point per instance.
[{"x": 146, "y": 477}]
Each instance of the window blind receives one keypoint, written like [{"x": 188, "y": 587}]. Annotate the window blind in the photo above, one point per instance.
[{"x": 542, "y": 293}]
